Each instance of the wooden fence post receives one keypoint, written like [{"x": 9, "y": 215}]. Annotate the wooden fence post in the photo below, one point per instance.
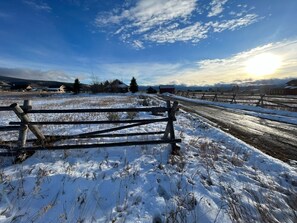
[
  {"x": 203, "y": 96},
  {"x": 170, "y": 127},
  {"x": 25, "y": 119},
  {"x": 261, "y": 100},
  {"x": 233, "y": 99},
  {"x": 24, "y": 127}
]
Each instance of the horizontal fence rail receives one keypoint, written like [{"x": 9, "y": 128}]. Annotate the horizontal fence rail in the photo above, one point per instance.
[
  {"x": 93, "y": 122},
  {"x": 285, "y": 102},
  {"x": 102, "y": 110},
  {"x": 5, "y": 108},
  {"x": 49, "y": 142}
]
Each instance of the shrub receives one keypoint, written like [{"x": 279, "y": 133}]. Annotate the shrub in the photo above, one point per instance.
[{"x": 113, "y": 116}]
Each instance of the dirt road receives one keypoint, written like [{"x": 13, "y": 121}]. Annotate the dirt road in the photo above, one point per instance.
[{"x": 272, "y": 137}]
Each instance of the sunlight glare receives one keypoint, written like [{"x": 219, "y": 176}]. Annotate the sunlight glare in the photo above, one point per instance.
[{"x": 263, "y": 64}]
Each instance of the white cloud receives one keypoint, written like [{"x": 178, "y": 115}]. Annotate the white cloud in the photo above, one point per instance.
[
  {"x": 169, "y": 21},
  {"x": 193, "y": 33},
  {"x": 234, "y": 24},
  {"x": 138, "y": 44},
  {"x": 216, "y": 7},
  {"x": 38, "y": 5},
  {"x": 147, "y": 14},
  {"x": 198, "y": 31}
]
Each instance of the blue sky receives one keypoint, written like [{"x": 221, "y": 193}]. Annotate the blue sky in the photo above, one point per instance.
[{"x": 157, "y": 41}]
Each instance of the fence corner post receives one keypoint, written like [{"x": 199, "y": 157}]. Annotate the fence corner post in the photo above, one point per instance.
[
  {"x": 24, "y": 122},
  {"x": 27, "y": 105},
  {"x": 170, "y": 128}
]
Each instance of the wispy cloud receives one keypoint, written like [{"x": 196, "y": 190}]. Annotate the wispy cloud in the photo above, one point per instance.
[
  {"x": 169, "y": 21},
  {"x": 216, "y": 7},
  {"x": 234, "y": 24},
  {"x": 198, "y": 31},
  {"x": 193, "y": 33},
  {"x": 145, "y": 15},
  {"x": 38, "y": 5}
]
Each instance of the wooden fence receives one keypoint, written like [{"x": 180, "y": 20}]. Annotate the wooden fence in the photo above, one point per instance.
[
  {"x": 284, "y": 102},
  {"x": 45, "y": 142}
]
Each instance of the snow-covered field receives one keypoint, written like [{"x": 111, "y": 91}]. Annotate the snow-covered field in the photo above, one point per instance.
[{"x": 217, "y": 178}]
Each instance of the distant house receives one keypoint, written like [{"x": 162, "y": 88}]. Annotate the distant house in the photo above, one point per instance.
[
  {"x": 117, "y": 86},
  {"x": 56, "y": 88},
  {"x": 4, "y": 86},
  {"x": 34, "y": 87},
  {"x": 291, "y": 87},
  {"x": 166, "y": 89}
]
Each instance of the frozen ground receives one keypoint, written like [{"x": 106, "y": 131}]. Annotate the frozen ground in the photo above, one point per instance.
[{"x": 217, "y": 178}]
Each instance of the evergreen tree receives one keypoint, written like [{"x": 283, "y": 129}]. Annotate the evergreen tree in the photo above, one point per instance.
[
  {"x": 106, "y": 86},
  {"x": 133, "y": 85},
  {"x": 76, "y": 86}
]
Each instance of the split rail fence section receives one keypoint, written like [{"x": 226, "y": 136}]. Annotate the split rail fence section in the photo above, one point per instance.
[
  {"x": 45, "y": 142},
  {"x": 284, "y": 102}
]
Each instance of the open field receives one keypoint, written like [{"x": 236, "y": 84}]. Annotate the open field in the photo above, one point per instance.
[{"x": 216, "y": 178}]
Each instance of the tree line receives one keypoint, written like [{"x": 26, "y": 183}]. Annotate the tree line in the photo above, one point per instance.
[{"x": 107, "y": 86}]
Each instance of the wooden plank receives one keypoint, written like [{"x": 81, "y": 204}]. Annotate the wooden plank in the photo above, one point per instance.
[
  {"x": 101, "y": 145},
  {"x": 5, "y": 108},
  {"x": 286, "y": 102},
  {"x": 147, "y": 109},
  {"x": 282, "y": 96},
  {"x": 113, "y": 135},
  {"x": 113, "y": 129},
  {"x": 92, "y": 122},
  {"x": 9, "y": 128},
  {"x": 280, "y": 104}
]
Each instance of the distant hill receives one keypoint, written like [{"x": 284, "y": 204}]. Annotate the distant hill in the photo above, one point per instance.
[{"x": 12, "y": 80}]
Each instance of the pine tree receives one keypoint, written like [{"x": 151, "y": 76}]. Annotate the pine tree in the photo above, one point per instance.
[
  {"x": 76, "y": 86},
  {"x": 133, "y": 85}
]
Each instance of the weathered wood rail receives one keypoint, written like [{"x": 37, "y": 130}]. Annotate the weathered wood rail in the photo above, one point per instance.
[
  {"x": 49, "y": 142},
  {"x": 284, "y": 102}
]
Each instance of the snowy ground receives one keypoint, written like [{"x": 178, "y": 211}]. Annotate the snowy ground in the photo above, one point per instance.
[{"x": 217, "y": 178}]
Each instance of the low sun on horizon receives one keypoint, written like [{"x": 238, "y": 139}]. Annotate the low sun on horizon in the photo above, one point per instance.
[{"x": 263, "y": 64}]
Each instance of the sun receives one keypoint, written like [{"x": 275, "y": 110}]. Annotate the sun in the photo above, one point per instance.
[{"x": 263, "y": 64}]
